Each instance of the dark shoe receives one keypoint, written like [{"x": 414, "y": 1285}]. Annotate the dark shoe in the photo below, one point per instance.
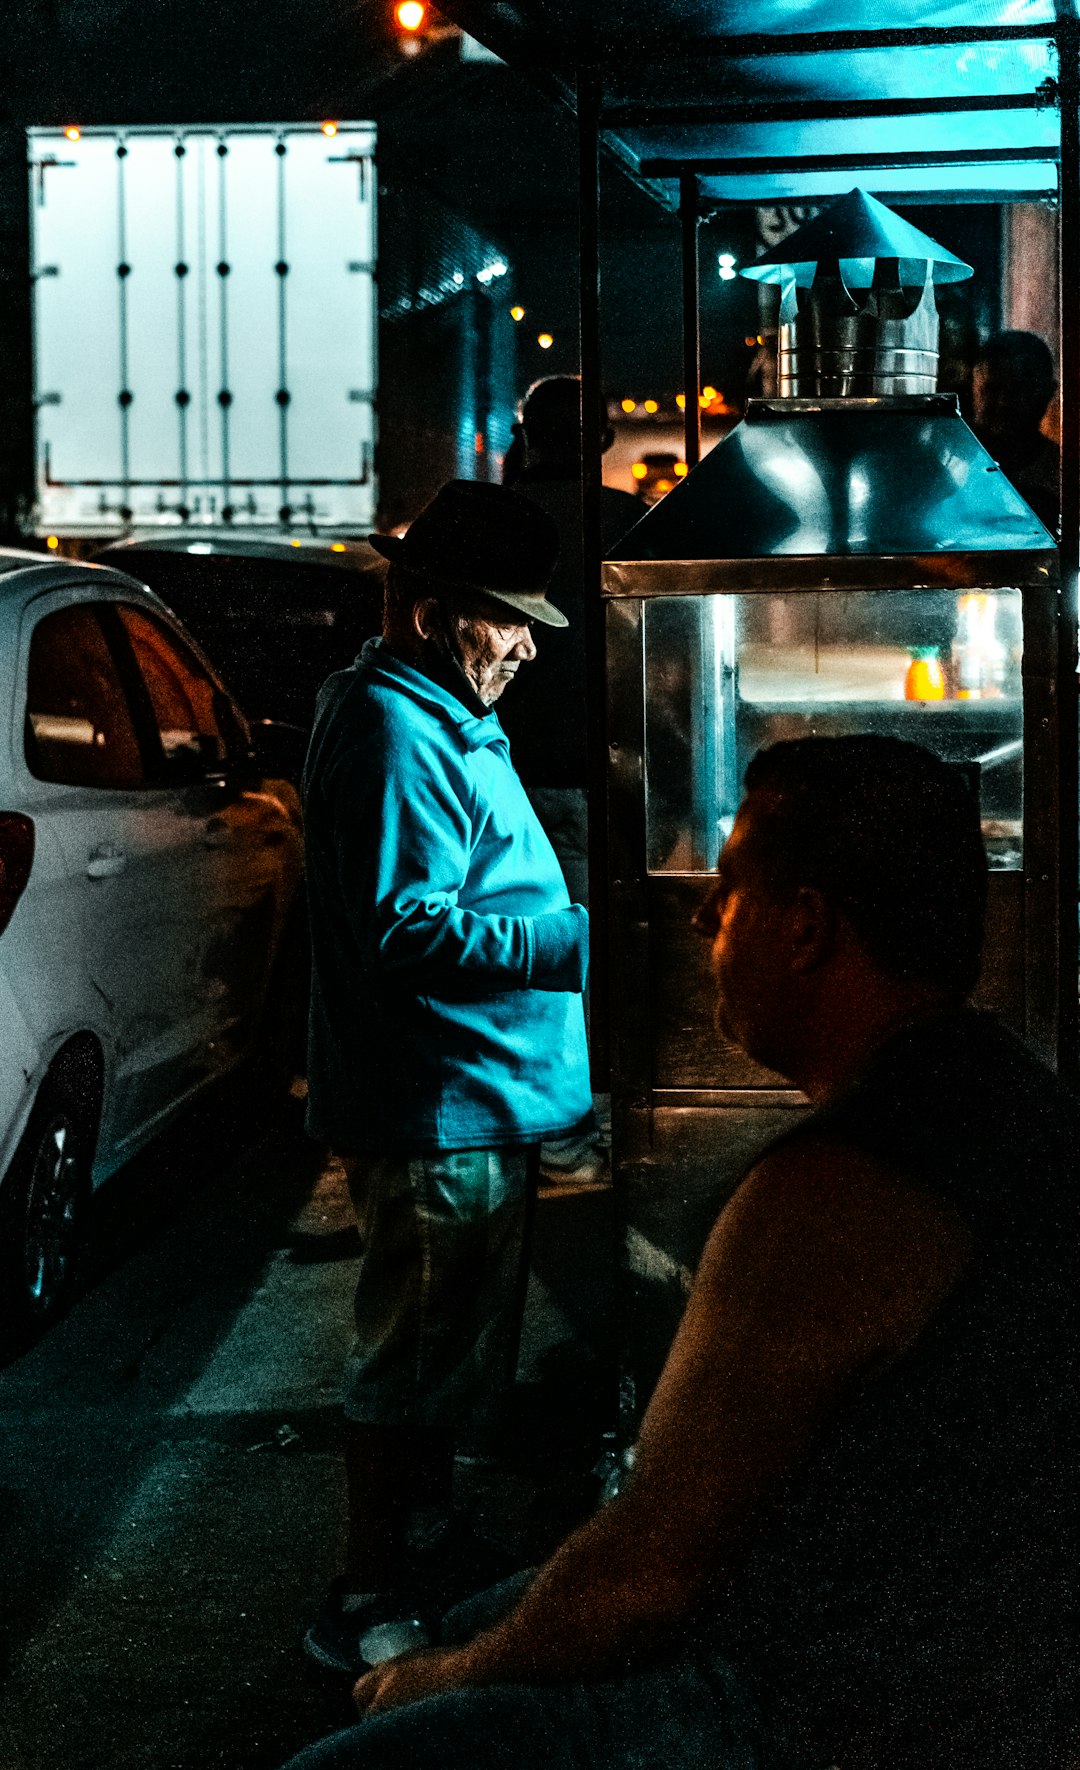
[{"x": 352, "y": 1641}]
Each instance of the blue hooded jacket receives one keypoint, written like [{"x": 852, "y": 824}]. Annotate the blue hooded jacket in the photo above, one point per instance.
[{"x": 447, "y": 961}]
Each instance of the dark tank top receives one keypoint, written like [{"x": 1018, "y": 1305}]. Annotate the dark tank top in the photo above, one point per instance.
[{"x": 912, "y": 1598}]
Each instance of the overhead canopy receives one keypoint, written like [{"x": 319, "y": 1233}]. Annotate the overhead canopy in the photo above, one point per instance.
[{"x": 776, "y": 101}]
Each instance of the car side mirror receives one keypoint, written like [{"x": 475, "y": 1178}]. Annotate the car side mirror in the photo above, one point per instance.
[{"x": 278, "y": 749}]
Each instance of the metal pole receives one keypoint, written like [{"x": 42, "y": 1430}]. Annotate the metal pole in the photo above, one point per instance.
[
  {"x": 1068, "y": 40},
  {"x": 690, "y": 216},
  {"x": 592, "y": 547}
]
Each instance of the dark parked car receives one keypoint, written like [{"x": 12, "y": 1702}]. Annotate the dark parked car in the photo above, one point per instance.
[{"x": 276, "y": 615}]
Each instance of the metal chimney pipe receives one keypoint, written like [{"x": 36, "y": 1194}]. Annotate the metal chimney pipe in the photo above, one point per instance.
[{"x": 838, "y": 342}]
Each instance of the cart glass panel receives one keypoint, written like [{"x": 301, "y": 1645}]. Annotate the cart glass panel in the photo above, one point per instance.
[{"x": 728, "y": 674}]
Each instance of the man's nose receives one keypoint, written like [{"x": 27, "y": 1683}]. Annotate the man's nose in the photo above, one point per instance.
[{"x": 525, "y": 646}]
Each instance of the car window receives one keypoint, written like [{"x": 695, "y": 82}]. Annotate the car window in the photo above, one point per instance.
[
  {"x": 192, "y": 716},
  {"x": 79, "y": 727}
]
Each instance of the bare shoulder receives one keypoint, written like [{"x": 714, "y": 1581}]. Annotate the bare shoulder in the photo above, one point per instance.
[{"x": 826, "y": 1236}]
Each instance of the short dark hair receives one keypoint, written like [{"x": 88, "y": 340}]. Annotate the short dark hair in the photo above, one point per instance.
[
  {"x": 551, "y": 413},
  {"x": 892, "y": 835},
  {"x": 1025, "y": 354}
]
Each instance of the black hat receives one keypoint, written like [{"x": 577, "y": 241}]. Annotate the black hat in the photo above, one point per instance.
[{"x": 486, "y": 538}]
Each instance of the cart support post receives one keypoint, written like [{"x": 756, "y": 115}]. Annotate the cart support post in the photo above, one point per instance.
[
  {"x": 588, "y": 121},
  {"x": 690, "y": 216},
  {"x": 1068, "y": 41}
]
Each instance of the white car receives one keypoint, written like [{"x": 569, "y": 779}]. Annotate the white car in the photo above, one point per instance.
[{"x": 147, "y": 874}]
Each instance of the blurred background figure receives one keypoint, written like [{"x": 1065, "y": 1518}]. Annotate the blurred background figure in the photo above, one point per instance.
[
  {"x": 1013, "y": 383},
  {"x": 546, "y": 721}
]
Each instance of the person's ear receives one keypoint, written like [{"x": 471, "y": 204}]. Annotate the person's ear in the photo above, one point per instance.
[
  {"x": 813, "y": 929},
  {"x": 425, "y": 618}
]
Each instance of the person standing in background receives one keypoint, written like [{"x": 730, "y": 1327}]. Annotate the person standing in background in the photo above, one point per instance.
[{"x": 547, "y": 720}]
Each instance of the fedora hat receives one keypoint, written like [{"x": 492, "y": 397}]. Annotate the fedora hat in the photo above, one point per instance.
[{"x": 484, "y": 538}]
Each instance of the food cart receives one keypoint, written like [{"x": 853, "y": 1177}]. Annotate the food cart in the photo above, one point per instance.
[{"x": 839, "y": 558}]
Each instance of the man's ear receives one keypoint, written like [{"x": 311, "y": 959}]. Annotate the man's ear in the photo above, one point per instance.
[
  {"x": 425, "y": 618},
  {"x": 813, "y": 929}
]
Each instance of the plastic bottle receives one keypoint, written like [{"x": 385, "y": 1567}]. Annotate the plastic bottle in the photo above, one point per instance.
[{"x": 925, "y": 679}]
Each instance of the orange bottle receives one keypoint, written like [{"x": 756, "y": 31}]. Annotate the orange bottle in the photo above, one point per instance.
[{"x": 925, "y": 679}]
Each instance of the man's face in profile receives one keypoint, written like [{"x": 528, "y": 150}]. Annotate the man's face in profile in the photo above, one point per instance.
[
  {"x": 492, "y": 647},
  {"x": 746, "y": 924}
]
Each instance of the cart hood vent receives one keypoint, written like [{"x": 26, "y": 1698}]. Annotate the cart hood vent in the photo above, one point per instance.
[{"x": 897, "y": 475}]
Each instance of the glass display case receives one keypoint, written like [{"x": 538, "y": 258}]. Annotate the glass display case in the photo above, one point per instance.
[{"x": 727, "y": 674}]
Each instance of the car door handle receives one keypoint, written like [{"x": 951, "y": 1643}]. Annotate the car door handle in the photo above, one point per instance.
[
  {"x": 105, "y": 863},
  {"x": 216, "y": 833}
]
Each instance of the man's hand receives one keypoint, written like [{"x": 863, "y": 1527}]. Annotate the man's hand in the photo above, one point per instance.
[{"x": 410, "y": 1678}]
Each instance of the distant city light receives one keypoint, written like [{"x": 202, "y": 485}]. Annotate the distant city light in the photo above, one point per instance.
[
  {"x": 329, "y": 128},
  {"x": 681, "y": 470},
  {"x": 459, "y": 277},
  {"x": 651, "y": 406},
  {"x": 629, "y": 405},
  {"x": 665, "y": 485},
  {"x": 410, "y": 14},
  {"x": 639, "y": 470},
  {"x": 337, "y": 546},
  {"x": 680, "y": 401},
  {"x": 294, "y": 543},
  {"x": 545, "y": 341},
  {"x": 52, "y": 542},
  {"x": 708, "y": 394},
  {"x": 496, "y": 269},
  {"x": 725, "y": 263},
  {"x": 517, "y": 313},
  {"x": 73, "y": 134}
]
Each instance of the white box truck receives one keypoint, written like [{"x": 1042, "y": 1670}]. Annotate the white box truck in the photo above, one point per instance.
[{"x": 204, "y": 327}]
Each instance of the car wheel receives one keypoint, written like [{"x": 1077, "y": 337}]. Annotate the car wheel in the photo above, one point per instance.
[{"x": 43, "y": 1209}]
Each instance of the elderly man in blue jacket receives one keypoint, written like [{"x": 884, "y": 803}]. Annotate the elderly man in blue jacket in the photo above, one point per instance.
[{"x": 447, "y": 1032}]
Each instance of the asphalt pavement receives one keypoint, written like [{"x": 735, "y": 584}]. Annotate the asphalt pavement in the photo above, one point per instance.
[{"x": 170, "y": 1489}]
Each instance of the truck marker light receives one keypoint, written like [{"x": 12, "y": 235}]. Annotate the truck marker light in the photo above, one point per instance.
[
  {"x": 545, "y": 341},
  {"x": 328, "y": 128},
  {"x": 73, "y": 134},
  {"x": 52, "y": 542},
  {"x": 337, "y": 546},
  {"x": 629, "y": 405},
  {"x": 651, "y": 406}
]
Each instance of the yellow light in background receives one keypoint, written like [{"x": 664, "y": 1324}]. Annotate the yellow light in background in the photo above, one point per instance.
[
  {"x": 629, "y": 405},
  {"x": 665, "y": 485},
  {"x": 52, "y": 543},
  {"x": 651, "y": 406},
  {"x": 410, "y": 14},
  {"x": 750, "y": 342},
  {"x": 639, "y": 470},
  {"x": 545, "y": 341},
  {"x": 708, "y": 394},
  {"x": 680, "y": 401},
  {"x": 73, "y": 134},
  {"x": 681, "y": 470},
  {"x": 329, "y": 128},
  {"x": 337, "y": 546},
  {"x": 517, "y": 313},
  {"x": 294, "y": 543}
]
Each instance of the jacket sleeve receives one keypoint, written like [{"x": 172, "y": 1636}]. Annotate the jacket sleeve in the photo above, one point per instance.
[{"x": 403, "y": 837}]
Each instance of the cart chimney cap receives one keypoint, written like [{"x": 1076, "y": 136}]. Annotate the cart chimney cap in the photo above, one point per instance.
[{"x": 857, "y": 230}]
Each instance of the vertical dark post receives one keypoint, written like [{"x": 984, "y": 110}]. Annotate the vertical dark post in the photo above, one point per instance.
[
  {"x": 689, "y": 214},
  {"x": 592, "y": 547},
  {"x": 1068, "y": 41}
]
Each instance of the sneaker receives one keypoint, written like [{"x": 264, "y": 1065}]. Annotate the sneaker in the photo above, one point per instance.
[
  {"x": 591, "y": 1175},
  {"x": 351, "y": 1638}
]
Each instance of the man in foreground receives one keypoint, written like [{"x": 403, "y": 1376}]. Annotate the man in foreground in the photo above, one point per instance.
[
  {"x": 850, "y": 1534},
  {"x": 447, "y": 1030}
]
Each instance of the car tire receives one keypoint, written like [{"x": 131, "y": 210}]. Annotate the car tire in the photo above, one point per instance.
[{"x": 43, "y": 1206}]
